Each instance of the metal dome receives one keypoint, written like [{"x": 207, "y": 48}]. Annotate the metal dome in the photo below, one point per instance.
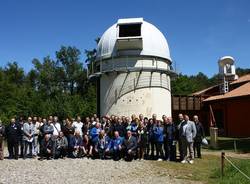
[{"x": 153, "y": 41}]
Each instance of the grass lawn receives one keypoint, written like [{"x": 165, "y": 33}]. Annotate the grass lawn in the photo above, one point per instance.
[{"x": 207, "y": 170}]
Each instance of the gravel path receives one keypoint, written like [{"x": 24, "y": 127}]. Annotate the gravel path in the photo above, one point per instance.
[{"x": 83, "y": 171}]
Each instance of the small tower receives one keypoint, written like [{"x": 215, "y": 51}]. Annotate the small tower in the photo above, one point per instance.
[{"x": 226, "y": 72}]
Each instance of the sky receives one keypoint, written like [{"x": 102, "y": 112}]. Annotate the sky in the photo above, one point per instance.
[{"x": 198, "y": 32}]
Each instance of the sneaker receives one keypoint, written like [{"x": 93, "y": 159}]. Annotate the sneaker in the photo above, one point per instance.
[
  {"x": 159, "y": 159},
  {"x": 183, "y": 161},
  {"x": 191, "y": 161}
]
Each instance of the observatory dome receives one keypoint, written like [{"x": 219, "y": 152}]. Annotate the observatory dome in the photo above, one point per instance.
[{"x": 153, "y": 42}]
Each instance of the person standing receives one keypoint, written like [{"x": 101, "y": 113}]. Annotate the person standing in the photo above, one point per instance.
[
  {"x": 78, "y": 125},
  {"x": 36, "y": 125},
  {"x": 2, "y": 133},
  {"x": 199, "y": 136},
  {"x": 142, "y": 140},
  {"x": 20, "y": 139},
  {"x": 158, "y": 136},
  {"x": 170, "y": 138},
  {"x": 187, "y": 132},
  {"x": 56, "y": 129},
  {"x": 28, "y": 137},
  {"x": 179, "y": 123},
  {"x": 13, "y": 132},
  {"x": 94, "y": 133}
]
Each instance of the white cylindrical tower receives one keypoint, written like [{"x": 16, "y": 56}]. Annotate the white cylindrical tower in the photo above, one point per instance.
[{"x": 133, "y": 68}]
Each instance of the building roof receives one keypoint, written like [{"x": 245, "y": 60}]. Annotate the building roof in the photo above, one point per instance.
[
  {"x": 201, "y": 92},
  {"x": 243, "y": 90},
  {"x": 244, "y": 78},
  {"x": 153, "y": 41}
]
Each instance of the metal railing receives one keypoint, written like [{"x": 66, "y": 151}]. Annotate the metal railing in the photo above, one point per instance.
[{"x": 98, "y": 68}]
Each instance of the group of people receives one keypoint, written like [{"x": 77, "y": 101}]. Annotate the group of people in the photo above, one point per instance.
[{"x": 111, "y": 137}]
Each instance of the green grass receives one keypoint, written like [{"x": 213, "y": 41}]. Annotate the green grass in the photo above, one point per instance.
[
  {"x": 232, "y": 176},
  {"x": 207, "y": 170}
]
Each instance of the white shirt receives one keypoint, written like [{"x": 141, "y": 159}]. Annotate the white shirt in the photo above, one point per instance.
[
  {"x": 78, "y": 126},
  {"x": 57, "y": 128}
]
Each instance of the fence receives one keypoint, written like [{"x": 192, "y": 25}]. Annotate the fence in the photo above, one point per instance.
[{"x": 225, "y": 158}]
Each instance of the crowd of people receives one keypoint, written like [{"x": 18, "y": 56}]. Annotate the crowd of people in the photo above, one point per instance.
[{"x": 108, "y": 137}]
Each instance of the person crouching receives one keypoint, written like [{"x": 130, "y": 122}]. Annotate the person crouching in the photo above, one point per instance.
[
  {"x": 130, "y": 147},
  {"x": 61, "y": 146},
  {"x": 117, "y": 146},
  {"x": 76, "y": 146},
  {"x": 46, "y": 147},
  {"x": 103, "y": 145}
]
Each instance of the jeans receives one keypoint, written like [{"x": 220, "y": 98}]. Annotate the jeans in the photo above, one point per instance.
[
  {"x": 35, "y": 146},
  {"x": 27, "y": 145}
]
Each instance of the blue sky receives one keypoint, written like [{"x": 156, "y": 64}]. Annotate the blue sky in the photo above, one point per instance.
[{"x": 199, "y": 32}]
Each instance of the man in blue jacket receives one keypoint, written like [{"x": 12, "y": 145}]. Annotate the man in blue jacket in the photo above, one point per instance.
[
  {"x": 103, "y": 146},
  {"x": 117, "y": 146},
  {"x": 94, "y": 133},
  {"x": 76, "y": 146}
]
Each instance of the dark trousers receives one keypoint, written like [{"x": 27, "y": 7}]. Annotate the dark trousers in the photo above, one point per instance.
[
  {"x": 116, "y": 154},
  {"x": 129, "y": 156},
  {"x": 45, "y": 154},
  {"x": 180, "y": 149},
  {"x": 60, "y": 152},
  {"x": 159, "y": 151},
  {"x": 197, "y": 149},
  {"x": 13, "y": 149},
  {"x": 152, "y": 145},
  {"x": 170, "y": 150}
]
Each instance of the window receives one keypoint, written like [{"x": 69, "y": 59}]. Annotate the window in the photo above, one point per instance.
[{"x": 130, "y": 30}]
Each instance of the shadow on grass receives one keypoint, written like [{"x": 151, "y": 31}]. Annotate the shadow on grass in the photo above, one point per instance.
[{"x": 241, "y": 145}]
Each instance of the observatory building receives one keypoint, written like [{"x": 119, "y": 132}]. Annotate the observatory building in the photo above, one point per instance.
[{"x": 132, "y": 70}]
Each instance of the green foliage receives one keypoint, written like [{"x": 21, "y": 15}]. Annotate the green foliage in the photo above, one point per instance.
[
  {"x": 53, "y": 87},
  {"x": 186, "y": 85}
]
